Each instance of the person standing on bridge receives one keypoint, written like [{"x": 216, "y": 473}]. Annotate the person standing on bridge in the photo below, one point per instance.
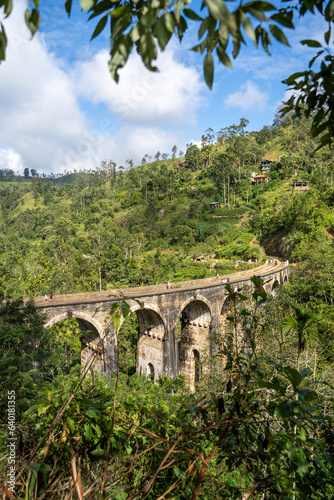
[
  {"x": 46, "y": 297},
  {"x": 51, "y": 297},
  {"x": 168, "y": 285}
]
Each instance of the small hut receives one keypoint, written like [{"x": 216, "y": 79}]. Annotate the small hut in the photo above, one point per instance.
[
  {"x": 301, "y": 185},
  {"x": 259, "y": 179}
]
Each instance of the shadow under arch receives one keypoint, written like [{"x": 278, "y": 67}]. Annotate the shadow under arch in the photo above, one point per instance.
[
  {"x": 151, "y": 332},
  {"x": 193, "y": 338},
  {"x": 91, "y": 337}
]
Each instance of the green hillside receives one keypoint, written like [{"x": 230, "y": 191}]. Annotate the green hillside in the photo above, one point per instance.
[{"x": 145, "y": 225}]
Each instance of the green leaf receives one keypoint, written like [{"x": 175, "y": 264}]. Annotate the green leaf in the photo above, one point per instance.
[
  {"x": 8, "y": 7},
  {"x": 302, "y": 463},
  {"x": 236, "y": 49},
  {"x": 329, "y": 12},
  {"x": 303, "y": 435},
  {"x": 88, "y": 431},
  {"x": 284, "y": 19},
  {"x": 97, "y": 429},
  {"x": 307, "y": 395},
  {"x": 71, "y": 423},
  {"x": 278, "y": 34},
  {"x": 44, "y": 469},
  {"x": 162, "y": 34},
  {"x": 266, "y": 40},
  {"x": 192, "y": 15},
  {"x": 98, "y": 452},
  {"x": 199, "y": 48},
  {"x": 248, "y": 27},
  {"x": 120, "y": 10},
  {"x": 293, "y": 77},
  {"x": 99, "y": 27},
  {"x": 33, "y": 20},
  {"x": 218, "y": 9},
  {"x": 258, "y": 14},
  {"x": 31, "y": 485},
  {"x": 91, "y": 414},
  {"x": 311, "y": 43},
  {"x": 3, "y": 44},
  {"x": 258, "y": 5},
  {"x": 117, "y": 321},
  {"x": 125, "y": 312},
  {"x": 223, "y": 57},
  {"x": 148, "y": 18},
  {"x": 68, "y": 7},
  {"x": 285, "y": 410},
  {"x": 148, "y": 50},
  {"x": 327, "y": 36},
  {"x": 178, "y": 7},
  {"x": 43, "y": 408},
  {"x": 294, "y": 376},
  {"x": 169, "y": 21},
  {"x": 231, "y": 482},
  {"x": 208, "y": 69},
  {"x": 113, "y": 308},
  {"x": 86, "y": 4}
]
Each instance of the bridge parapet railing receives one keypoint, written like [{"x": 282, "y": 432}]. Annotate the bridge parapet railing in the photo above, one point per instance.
[{"x": 263, "y": 270}]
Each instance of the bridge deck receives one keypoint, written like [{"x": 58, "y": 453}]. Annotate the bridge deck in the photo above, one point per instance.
[{"x": 137, "y": 292}]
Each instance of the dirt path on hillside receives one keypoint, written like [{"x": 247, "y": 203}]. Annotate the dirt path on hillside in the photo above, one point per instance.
[{"x": 242, "y": 220}]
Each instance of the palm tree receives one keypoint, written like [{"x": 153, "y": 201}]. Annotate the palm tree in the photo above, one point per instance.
[{"x": 304, "y": 323}]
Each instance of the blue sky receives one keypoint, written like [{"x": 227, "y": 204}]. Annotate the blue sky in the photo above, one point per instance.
[{"x": 60, "y": 109}]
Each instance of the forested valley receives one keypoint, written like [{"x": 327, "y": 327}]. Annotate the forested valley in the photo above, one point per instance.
[{"x": 260, "y": 422}]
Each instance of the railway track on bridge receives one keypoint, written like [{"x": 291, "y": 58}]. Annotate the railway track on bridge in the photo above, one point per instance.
[{"x": 137, "y": 292}]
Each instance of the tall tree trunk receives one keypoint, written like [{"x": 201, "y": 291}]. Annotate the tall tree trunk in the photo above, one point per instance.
[
  {"x": 224, "y": 191},
  {"x": 228, "y": 190},
  {"x": 100, "y": 278}
]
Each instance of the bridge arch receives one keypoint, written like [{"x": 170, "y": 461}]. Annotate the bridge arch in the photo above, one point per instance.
[
  {"x": 193, "y": 337},
  {"x": 151, "y": 333},
  {"x": 89, "y": 344},
  {"x": 275, "y": 284},
  {"x": 86, "y": 321},
  {"x": 197, "y": 298}
]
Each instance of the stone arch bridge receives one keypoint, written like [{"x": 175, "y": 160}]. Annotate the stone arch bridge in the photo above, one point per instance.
[{"x": 200, "y": 304}]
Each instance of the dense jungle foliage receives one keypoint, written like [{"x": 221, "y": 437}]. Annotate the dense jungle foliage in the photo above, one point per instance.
[{"x": 260, "y": 423}]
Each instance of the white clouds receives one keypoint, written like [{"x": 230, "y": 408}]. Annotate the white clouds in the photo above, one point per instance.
[
  {"x": 248, "y": 97},
  {"x": 48, "y": 108},
  {"x": 39, "y": 109},
  {"x": 171, "y": 96},
  {"x": 10, "y": 159}
]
